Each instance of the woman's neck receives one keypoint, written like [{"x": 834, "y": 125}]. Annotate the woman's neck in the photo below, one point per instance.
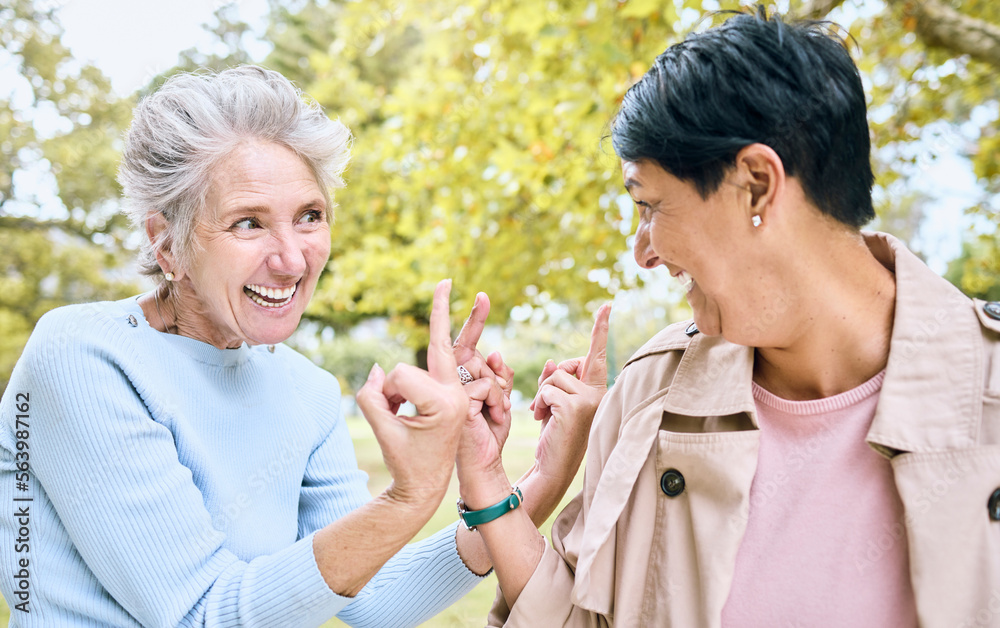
[
  {"x": 840, "y": 337},
  {"x": 175, "y": 310}
]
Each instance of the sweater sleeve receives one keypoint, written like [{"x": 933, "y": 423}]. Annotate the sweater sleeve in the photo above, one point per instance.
[
  {"x": 418, "y": 582},
  {"x": 131, "y": 508}
]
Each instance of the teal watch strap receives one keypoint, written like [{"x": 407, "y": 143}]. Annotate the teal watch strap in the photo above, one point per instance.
[{"x": 473, "y": 518}]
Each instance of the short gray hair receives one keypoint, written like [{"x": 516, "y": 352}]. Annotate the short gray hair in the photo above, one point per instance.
[{"x": 181, "y": 131}]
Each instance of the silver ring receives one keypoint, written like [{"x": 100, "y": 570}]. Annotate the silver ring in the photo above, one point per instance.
[{"x": 464, "y": 375}]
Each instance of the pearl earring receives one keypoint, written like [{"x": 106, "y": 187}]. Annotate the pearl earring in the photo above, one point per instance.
[
  {"x": 169, "y": 276},
  {"x": 756, "y": 220}
]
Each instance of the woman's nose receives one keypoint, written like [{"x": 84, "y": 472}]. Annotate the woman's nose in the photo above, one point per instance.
[
  {"x": 287, "y": 256},
  {"x": 642, "y": 250}
]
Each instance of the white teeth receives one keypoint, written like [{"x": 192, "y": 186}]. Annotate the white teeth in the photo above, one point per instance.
[
  {"x": 687, "y": 281},
  {"x": 271, "y": 293},
  {"x": 260, "y": 301}
]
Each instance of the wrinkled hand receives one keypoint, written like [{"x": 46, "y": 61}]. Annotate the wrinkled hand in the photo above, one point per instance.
[
  {"x": 487, "y": 423},
  {"x": 567, "y": 399},
  {"x": 419, "y": 451}
]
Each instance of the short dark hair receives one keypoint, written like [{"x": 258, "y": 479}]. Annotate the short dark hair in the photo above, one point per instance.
[{"x": 756, "y": 79}]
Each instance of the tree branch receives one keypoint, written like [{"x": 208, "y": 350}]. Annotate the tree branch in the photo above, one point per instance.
[
  {"x": 939, "y": 25},
  {"x": 817, "y": 9}
]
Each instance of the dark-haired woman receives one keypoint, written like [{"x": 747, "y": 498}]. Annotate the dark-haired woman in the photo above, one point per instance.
[{"x": 821, "y": 445}]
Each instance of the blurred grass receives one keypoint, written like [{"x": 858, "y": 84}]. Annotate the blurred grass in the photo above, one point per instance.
[{"x": 519, "y": 453}]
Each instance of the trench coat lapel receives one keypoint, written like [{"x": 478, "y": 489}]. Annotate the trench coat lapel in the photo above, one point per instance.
[{"x": 931, "y": 396}]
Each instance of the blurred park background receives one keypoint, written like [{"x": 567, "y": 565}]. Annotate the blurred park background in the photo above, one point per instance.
[{"x": 478, "y": 155}]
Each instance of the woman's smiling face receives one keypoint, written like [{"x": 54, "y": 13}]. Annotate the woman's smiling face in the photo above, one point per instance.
[
  {"x": 257, "y": 252},
  {"x": 703, "y": 242}
]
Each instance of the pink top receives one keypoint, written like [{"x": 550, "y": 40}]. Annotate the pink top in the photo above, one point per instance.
[{"x": 825, "y": 543}]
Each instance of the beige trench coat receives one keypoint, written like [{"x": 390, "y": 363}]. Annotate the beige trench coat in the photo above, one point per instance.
[{"x": 625, "y": 554}]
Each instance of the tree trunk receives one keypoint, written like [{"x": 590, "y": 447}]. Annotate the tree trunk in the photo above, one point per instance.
[{"x": 939, "y": 25}]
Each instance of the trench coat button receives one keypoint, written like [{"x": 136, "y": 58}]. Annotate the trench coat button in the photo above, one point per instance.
[
  {"x": 994, "y": 505},
  {"x": 992, "y": 310},
  {"x": 691, "y": 330},
  {"x": 672, "y": 482}
]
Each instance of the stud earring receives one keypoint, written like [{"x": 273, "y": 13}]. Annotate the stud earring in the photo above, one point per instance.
[
  {"x": 169, "y": 276},
  {"x": 755, "y": 219}
]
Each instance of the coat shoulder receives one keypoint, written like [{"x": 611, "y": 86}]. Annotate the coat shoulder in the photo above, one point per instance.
[{"x": 676, "y": 337}]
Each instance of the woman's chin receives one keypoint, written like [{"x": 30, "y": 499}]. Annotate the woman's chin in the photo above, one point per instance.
[
  {"x": 264, "y": 325},
  {"x": 271, "y": 331},
  {"x": 267, "y": 338},
  {"x": 707, "y": 325}
]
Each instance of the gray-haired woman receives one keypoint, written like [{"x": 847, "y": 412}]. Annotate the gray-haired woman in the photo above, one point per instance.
[{"x": 173, "y": 462}]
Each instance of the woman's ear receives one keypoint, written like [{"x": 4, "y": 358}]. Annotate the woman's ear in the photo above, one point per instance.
[
  {"x": 156, "y": 228},
  {"x": 759, "y": 169}
]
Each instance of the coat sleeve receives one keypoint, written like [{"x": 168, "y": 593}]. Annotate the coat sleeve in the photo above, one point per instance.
[{"x": 546, "y": 600}]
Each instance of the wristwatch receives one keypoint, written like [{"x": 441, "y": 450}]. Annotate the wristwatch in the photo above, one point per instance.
[{"x": 474, "y": 518}]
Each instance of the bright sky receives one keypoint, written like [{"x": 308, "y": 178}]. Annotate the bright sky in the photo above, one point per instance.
[{"x": 134, "y": 40}]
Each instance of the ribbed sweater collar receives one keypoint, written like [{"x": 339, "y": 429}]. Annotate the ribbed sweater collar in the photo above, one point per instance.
[
  {"x": 825, "y": 405},
  {"x": 200, "y": 351}
]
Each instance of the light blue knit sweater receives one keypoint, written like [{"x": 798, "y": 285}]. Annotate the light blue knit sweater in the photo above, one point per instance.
[{"x": 172, "y": 483}]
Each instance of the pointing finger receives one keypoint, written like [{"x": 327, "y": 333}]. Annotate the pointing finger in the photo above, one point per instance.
[
  {"x": 595, "y": 367},
  {"x": 440, "y": 355}
]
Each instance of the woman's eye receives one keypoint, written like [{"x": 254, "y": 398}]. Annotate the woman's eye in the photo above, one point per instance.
[
  {"x": 313, "y": 215},
  {"x": 247, "y": 223}
]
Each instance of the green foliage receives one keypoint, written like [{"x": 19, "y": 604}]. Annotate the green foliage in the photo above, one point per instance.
[
  {"x": 976, "y": 271},
  {"x": 61, "y": 122},
  {"x": 477, "y": 152},
  {"x": 914, "y": 88}
]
